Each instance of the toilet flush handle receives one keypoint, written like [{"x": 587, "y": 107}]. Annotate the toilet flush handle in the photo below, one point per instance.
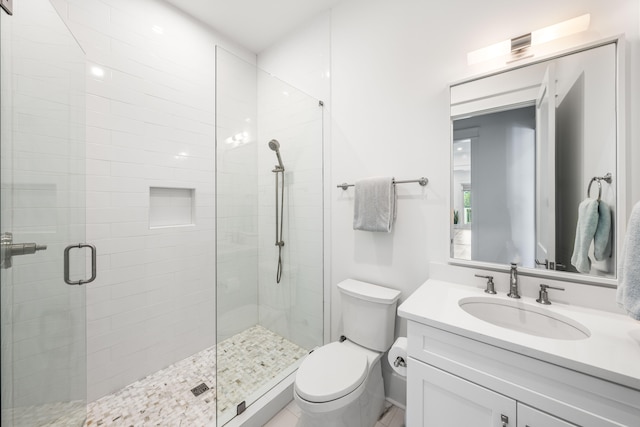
[{"x": 400, "y": 362}]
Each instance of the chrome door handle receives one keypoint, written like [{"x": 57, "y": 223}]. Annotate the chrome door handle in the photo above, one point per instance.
[
  {"x": 545, "y": 263},
  {"x": 67, "y": 279},
  {"x": 10, "y": 249}
]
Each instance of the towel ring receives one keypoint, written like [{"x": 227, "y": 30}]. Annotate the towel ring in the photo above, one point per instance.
[
  {"x": 599, "y": 188},
  {"x": 606, "y": 178}
]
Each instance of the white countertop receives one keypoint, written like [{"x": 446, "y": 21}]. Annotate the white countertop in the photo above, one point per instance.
[{"x": 612, "y": 352}]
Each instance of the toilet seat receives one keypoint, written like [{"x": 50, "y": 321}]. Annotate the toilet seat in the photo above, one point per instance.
[{"x": 331, "y": 372}]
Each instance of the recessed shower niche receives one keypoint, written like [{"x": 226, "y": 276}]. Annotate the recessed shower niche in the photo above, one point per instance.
[{"x": 171, "y": 207}]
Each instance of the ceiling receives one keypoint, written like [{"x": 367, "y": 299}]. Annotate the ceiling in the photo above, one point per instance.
[{"x": 254, "y": 24}]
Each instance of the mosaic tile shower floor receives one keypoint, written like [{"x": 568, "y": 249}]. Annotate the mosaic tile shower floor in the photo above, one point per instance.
[{"x": 247, "y": 360}]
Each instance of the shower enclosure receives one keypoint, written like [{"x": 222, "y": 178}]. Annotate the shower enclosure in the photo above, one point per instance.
[
  {"x": 269, "y": 296},
  {"x": 118, "y": 147}
]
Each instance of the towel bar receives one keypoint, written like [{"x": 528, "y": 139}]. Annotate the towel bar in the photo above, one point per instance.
[{"x": 422, "y": 181}]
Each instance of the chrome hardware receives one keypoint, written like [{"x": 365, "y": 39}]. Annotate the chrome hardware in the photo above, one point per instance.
[
  {"x": 543, "y": 297},
  {"x": 400, "y": 362},
  {"x": 7, "y": 5},
  {"x": 490, "y": 289},
  {"x": 607, "y": 178},
  {"x": 550, "y": 265},
  {"x": 67, "y": 279},
  {"x": 504, "y": 419},
  {"x": 545, "y": 263},
  {"x": 513, "y": 281},
  {"x": 557, "y": 266},
  {"x": 422, "y": 181},
  {"x": 10, "y": 249}
]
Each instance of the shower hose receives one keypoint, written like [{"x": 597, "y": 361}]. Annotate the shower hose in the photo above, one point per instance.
[{"x": 279, "y": 241}]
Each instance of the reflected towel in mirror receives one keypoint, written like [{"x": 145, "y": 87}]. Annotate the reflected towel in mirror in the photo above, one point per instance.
[
  {"x": 585, "y": 231},
  {"x": 602, "y": 237}
]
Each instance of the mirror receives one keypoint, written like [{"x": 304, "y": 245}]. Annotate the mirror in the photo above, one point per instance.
[{"x": 527, "y": 144}]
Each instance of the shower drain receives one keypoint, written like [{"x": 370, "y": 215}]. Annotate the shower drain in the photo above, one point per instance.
[{"x": 198, "y": 390}]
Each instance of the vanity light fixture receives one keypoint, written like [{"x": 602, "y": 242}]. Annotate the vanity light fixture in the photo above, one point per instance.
[{"x": 521, "y": 47}]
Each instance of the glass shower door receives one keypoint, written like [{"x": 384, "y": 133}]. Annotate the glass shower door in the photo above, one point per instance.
[
  {"x": 43, "y": 211},
  {"x": 269, "y": 267}
]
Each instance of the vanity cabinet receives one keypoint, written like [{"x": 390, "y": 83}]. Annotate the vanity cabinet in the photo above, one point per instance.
[
  {"x": 456, "y": 381},
  {"x": 447, "y": 400},
  {"x": 530, "y": 417}
]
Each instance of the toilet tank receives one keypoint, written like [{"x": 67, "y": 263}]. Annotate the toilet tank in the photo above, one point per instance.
[{"x": 368, "y": 313}]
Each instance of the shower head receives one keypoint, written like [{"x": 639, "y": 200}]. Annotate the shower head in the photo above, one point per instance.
[{"x": 275, "y": 146}]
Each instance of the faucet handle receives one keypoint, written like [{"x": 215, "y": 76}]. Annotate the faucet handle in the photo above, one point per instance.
[
  {"x": 490, "y": 289},
  {"x": 543, "y": 296}
]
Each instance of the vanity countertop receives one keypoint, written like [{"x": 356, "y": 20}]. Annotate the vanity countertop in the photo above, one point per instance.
[{"x": 611, "y": 352}]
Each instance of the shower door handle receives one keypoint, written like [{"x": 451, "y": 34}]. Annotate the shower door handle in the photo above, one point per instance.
[{"x": 67, "y": 278}]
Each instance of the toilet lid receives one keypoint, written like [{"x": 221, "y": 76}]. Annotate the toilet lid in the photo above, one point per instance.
[{"x": 331, "y": 372}]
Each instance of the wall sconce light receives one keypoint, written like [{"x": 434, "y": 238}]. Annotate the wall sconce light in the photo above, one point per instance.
[{"x": 521, "y": 47}]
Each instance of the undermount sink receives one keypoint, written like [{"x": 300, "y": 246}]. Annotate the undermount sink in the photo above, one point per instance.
[{"x": 523, "y": 317}]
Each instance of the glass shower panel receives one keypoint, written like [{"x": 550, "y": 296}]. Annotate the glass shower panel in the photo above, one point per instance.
[
  {"x": 265, "y": 328},
  {"x": 43, "y": 201}
]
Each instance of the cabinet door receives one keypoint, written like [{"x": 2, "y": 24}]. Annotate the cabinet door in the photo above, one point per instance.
[
  {"x": 439, "y": 399},
  {"x": 529, "y": 417}
]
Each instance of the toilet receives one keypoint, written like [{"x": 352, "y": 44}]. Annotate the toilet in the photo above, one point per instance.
[{"x": 340, "y": 384}]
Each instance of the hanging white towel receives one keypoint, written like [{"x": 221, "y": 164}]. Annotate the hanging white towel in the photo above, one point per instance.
[
  {"x": 374, "y": 207},
  {"x": 585, "y": 230},
  {"x": 628, "y": 293}
]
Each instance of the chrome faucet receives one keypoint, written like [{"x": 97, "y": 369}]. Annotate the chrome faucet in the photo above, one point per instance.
[{"x": 513, "y": 281}]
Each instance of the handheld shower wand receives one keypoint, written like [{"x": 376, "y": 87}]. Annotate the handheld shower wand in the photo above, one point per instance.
[
  {"x": 279, "y": 168},
  {"x": 275, "y": 146}
]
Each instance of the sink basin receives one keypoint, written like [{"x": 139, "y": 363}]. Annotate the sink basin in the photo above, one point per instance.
[{"x": 523, "y": 317}]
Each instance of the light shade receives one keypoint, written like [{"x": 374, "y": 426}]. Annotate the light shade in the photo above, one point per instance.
[{"x": 538, "y": 37}]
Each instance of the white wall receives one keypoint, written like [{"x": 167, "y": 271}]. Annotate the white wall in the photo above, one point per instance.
[
  {"x": 150, "y": 122},
  {"x": 391, "y": 63}
]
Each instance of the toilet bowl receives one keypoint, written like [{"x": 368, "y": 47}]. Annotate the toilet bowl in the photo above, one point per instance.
[{"x": 340, "y": 384}]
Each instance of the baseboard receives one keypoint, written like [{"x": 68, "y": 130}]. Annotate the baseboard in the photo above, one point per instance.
[{"x": 398, "y": 404}]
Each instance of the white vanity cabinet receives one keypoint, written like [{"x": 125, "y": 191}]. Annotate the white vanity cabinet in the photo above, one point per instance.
[
  {"x": 530, "y": 417},
  {"x": 447, "y": 400},
  {"x": 456, "y": 381}
]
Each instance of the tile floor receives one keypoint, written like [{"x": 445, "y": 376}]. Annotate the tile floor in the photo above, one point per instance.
[
  {"x": 246, "y": 361},
  {"x": 288, "y": 417}
]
